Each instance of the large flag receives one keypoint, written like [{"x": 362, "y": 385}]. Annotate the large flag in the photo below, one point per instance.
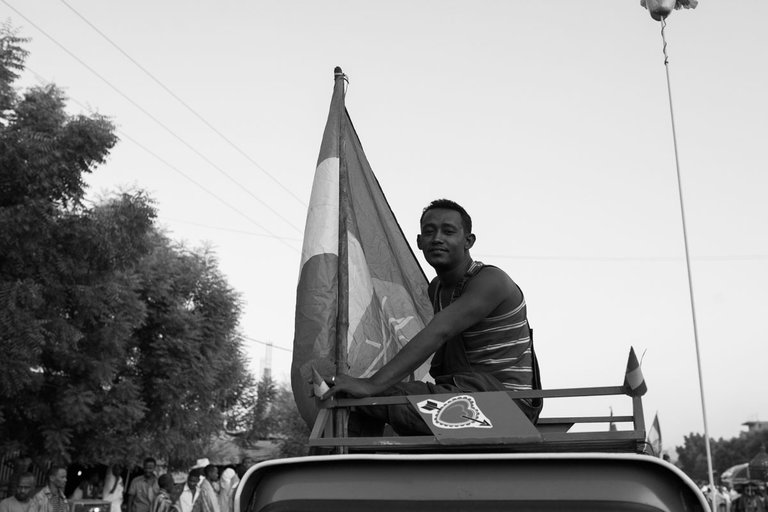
[
  {"x": 386, "y": 288},
  {"x": 654, "y": 436}
]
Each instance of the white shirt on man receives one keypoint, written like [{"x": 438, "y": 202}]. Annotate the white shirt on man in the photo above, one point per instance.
[{"x": 187, "y": 499}]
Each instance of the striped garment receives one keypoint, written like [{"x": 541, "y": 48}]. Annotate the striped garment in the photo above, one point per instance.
[
  {"x": 162, "y": 502},
  {"x": 498, "y": 345},
  {"x": 49, "y": 500}
]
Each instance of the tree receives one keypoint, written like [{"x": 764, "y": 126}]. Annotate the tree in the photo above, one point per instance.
[
  {"x": 261, "y": 422},
  {"x": 293, "y": 428},
  {"x": 43, "y": 278},
  {"x": 273, "y": 415},
  {"x": 12, "y": 58},
  {"x": 188, "y": 355},
  {"x": 116, "y": 341},
  {"x": 692, "y": 458}
]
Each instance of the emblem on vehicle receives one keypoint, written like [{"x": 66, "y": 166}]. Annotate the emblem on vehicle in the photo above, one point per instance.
[{"x": 459, "y": 411}]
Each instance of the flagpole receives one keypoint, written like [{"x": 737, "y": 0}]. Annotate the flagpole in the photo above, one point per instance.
[
  {"x": 688, "y": 268},
  {"x": 342, "y": 316}
]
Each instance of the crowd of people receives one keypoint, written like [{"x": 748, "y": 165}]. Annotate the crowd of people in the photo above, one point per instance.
[
  {"x": 747, "y": 497},
  {"x": 204, "y": 490}
]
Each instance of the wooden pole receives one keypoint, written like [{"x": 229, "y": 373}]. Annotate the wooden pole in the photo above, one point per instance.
[{"x": 342, "y": 318}]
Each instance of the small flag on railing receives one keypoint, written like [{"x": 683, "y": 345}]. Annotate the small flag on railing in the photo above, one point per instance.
[
  {"x": 634, "y": 382},
  {"x": 654, "y": 436}
]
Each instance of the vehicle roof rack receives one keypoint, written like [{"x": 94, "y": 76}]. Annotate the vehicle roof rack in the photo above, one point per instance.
[{"x": 509, "y": 430}]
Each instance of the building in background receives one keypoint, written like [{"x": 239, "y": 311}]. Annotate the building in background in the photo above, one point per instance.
[{"x": 755, "y": 426}]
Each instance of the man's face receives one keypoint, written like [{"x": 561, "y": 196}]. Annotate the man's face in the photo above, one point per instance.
[
  {"x": 59, "y": 480},
  {"x": 192, "y": 481},
  {"x": 149, "y": 469},
  {"x": 24, "y": 489},
  {"x": 212, "y": 474},
  {"x": 442, "y": 238}
]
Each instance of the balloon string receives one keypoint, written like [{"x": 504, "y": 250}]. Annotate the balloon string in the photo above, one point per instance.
[{"x": 688, "y": 269}]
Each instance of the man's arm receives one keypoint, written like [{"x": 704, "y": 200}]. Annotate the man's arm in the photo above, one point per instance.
[
  {"x": 483, "y": 294},
  {"x": 131, "y": 494}
]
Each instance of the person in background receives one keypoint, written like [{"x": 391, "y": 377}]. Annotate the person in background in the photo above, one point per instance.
[
  {"x": 113, "y": 488},
  {"x": 20, "y": 466},
  {"x": 89, "y": 488},
  {"x": 240, "y": 471},
  {"x": 163, "y": 501},
  {"x": 190, "y": 493},
  {"x": 143, "y": 488},
  {"x": 228, "y": 482},
  {"x": 209, "y": 490},
  {"x": 51, "y": 497},
  {"x": 749, "y": 500},
  {"x": 20, "y": 501}
]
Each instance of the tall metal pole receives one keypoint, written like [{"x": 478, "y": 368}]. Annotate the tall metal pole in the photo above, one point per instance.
[{"x": 688, "y": 269}]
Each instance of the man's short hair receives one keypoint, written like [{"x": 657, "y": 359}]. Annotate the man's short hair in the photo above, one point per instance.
[
  {"x": 196, "y": 472},
  {"x": 447, "y": 204},
  {"x": 150, "y": 459},
  {"x": 165, "y": 481},
  {"x": 55, "y": 469},
  {"x": 24, "y": 475}
]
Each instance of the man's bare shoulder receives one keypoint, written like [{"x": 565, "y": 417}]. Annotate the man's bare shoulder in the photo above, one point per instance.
[
  {"x": 492, "y": 275},
  {"x": 495, "y": 281}
]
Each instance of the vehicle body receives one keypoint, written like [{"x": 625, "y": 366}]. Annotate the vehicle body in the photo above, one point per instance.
[
  {"x": 462, "y": 482},
  {"x": 515, "y": 467}
]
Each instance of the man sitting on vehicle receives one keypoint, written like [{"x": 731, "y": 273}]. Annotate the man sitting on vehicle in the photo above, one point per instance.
[{"x": 479, "y": 336}]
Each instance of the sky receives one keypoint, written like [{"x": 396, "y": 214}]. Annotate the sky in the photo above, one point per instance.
[{"x": 549, "y": 121}]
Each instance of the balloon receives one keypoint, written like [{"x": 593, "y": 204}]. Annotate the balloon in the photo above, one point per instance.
[{"x": 660, "y": 9}]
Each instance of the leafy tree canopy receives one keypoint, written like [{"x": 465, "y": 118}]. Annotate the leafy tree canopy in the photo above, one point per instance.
[
  {"x": 272, "y": 414},
  {"x": 692, "y": 456},
  {"x": 290, "y": 424},
  {"x": 117, "y": 342}
]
